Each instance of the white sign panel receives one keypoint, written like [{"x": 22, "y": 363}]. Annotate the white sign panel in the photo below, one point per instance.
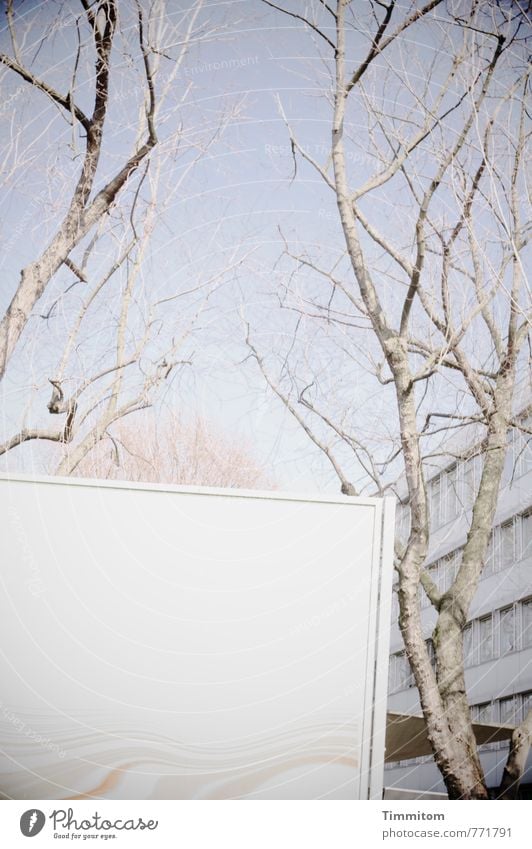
[{"x": 174, "y": 643}]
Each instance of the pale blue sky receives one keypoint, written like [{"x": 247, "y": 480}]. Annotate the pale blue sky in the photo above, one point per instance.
[{"x": 232, "y": 203}]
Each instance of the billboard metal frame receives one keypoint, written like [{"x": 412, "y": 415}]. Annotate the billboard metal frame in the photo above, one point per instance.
[{"x": 378, "y": 632}]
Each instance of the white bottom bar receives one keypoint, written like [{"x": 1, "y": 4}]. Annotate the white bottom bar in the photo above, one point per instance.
[{"x": 264, "y": 825}]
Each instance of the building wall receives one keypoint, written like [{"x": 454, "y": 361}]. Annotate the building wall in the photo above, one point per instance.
[{"x": 498, "y": 638}]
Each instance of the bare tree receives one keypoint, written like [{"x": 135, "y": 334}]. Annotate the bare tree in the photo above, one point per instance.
[
  {"x": 426, "y": 107},
  {"x": 106, "y": 339},
  {"x": 141, "y": 342},
  {"x": 168, "y": 449},
  {"x": 83, "y": 210}
]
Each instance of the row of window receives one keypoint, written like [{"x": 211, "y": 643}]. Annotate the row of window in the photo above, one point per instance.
[
  {"x": 448, "y": 494},
  {"x": 454, "y": 489},
  {"x": 511, "y": 710},
  {"x": 509, "y": 543},
  {"x": 498, "y": 633},
  {"x": 423, "y": 759}
]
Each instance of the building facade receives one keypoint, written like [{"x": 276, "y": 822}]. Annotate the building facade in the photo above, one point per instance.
[{"x": 498, "y": 636}]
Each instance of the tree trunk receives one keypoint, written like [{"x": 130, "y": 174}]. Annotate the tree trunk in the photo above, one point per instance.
[
  {"x": 465, "y": 779},
  {"x": 455, "y": 603},
  {"x": 517, "y": 757},
  {"x": 445, "y": 709}
]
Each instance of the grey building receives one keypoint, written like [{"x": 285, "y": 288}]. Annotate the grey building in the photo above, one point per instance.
[{"x": 498, "y": 637}]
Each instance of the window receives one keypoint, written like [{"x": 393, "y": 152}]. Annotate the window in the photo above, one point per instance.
[
  {"x": 507, "y": 711},
  {"x": 468, "y": 644},
  {"x": 400, "y": 676},
  {"x": 391, "y": 674},
  {"x": 526, "y": 704},
  {"x": 507, "y": 630},
  {"x": 444, "y": 497},
  {"x": 506, "y": 545},
  {"x": 492, "y": 554},
  {"x": 485, "y": 638},
  {"x": 405, "y": 677},
  {"x": 450, "y": 497},
  {"x": 502, "y": 549},
  {"x": 522, "y": 449},
  {"x": 395, "y": 604},
  {"x": 524, "y": 463},
  {"x": 402, "y": 522},
  {"x": 435, "y": 492},
  {"x": 526, "y": 535},
  {"x": 526, "y": 622},
  {"x": 470, "y": 477},
  {"x": 496, "y": 549},
  {"x": 484, "y": 712}
]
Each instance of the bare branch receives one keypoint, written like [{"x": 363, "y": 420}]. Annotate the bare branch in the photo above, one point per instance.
[
  {"x": 304, "y": 20},
  {"x": 64, "y": 101}
]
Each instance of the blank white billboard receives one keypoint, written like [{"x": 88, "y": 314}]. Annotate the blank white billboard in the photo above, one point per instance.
[{"x": 177, "y": 643}]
